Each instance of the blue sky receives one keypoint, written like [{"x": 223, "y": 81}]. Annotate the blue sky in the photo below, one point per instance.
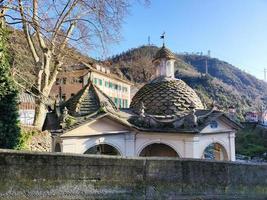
[{"x": 234, "y": 30}]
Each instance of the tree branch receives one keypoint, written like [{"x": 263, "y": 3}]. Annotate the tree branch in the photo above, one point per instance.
[
  {"x": 36, "y": 24},
  {"x": 60, "y": 20},
  {"x": 59, "y": 57},
  {"x": 27, "y": 34}
]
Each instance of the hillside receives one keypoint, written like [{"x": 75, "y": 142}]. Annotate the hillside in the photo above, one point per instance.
[{"x": 226, "y": 84}]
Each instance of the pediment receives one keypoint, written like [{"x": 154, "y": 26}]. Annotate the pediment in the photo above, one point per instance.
[
  {"x": 216, "y": 126},
  {"x": 104, "y": 125}
]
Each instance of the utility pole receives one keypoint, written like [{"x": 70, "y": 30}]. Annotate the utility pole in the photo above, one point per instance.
[
  {"x": 208, "y": 53},
  {"x": 206, "y": 65},
  {"x": 149, "y": 41},
  {"x": 265, "y": 71}
]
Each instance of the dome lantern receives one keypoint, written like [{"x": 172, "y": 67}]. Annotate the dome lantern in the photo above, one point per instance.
[{"x": 164, "y": 63}]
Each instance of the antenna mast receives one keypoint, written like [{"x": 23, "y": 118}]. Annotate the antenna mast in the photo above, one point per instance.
[{"x": 206, "y": 66}]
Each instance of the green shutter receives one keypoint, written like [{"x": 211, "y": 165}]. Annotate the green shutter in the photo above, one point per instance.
[
  {"x": 116, "y": 101},
  {"x": 126, "y": 103},
  {"x": 120, "y": 102}
]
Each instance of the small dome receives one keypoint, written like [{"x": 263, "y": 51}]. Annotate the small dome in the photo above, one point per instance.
[
  {"x": 166, "y": 97},
  {"x": 164, "y": 53}
]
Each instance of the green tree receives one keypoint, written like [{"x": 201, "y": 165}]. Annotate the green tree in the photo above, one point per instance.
[{"x": 9, "y": 124}]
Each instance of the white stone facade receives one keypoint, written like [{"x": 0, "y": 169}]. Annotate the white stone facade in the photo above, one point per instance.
[{"x": 131, "y": 142}]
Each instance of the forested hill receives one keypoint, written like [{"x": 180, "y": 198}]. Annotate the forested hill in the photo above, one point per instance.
[{"x": 226, "y": 84}]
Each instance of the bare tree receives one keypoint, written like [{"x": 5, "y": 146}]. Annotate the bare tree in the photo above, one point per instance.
[{"x": 52, "y": 26}]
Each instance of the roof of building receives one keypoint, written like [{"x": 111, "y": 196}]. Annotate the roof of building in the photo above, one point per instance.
[
  {"x": 164, "y": 53},
  {"x": 166, "y": 97},
  {"x": 26, "y": 98},
  {"x": 163, "y": 105},
  {"x": 88, "y": 101},
  {"x": 182, "y": 124},
  {"x": 111, "y": 75}
]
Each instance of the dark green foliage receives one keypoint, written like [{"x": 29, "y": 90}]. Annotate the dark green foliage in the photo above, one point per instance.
[
  {"x": 9, "y": 128},
  {"x": 26, "y": 136},
  {"x": 251, "y": 140}
]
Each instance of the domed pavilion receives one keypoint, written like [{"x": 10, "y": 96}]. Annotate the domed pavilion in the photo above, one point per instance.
[{"x": 166, "y": 118}]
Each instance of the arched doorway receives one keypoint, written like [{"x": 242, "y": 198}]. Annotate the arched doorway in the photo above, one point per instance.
[
  {"x": 57, "y": 147},
  {"x": 215, "y": 151},
  {"x": 103, "y": 149},
  {"x": 158, "y": 150}
]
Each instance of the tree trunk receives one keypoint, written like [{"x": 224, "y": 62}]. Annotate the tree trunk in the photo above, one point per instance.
[{"x": 40, "y": 114}]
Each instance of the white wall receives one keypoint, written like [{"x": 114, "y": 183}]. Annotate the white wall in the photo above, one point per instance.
[
  {"x": 26, "y": 117},
  {"x": 132, "y": 143}
]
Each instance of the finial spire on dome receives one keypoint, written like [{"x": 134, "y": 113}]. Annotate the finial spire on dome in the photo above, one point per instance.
[
  {"x": 163, "y": 38},
  {"x": 164, "y": 61}
]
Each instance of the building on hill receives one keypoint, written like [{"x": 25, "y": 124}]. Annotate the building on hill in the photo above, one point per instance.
[
  {"x": 75, "y": 77},
  {"x": 166, "y": 118},
  {"x": 252, "y": 117},
  {"x": 263, "y": 118},
  {"x": 26, "y": 108},
  {"x": 257, "y": 117}
]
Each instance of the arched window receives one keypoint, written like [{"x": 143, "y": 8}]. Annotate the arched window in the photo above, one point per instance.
[
  {"x": 215, "y": 151},
  {"x": 103, "y": 149},
  {"x": 158, "y": 150}
]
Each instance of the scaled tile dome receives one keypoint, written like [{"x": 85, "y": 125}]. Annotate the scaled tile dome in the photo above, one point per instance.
[
  {"x": 166, "y": 97},
  {"x": 164, "y": 53}
]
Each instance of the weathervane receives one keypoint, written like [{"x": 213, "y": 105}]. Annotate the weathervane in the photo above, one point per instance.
[{"x": 163, "y": 38}]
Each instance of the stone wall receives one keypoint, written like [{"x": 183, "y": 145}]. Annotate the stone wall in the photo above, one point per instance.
[
  {"x": 36, "y": 140},
  {"x": 68, "y": 176},
  {"x": 41, "y": 142}
]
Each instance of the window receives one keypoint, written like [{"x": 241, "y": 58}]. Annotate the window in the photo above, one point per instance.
[
  {"x": 100, "y": 81},
  {"x": 106, "y": 83},
  {"x": 120, "y": 103},
  {"x": 119, "y": 88},
  {"x": 57, "y": 81},
  {"x": 64, "y": 80},
  {"x": 115, "y": 86},
  {"x": 213, "y": 124},
  {"x": 124, "y": 89},
  {"x": 116, "y": 101},
  {"x": 126, "y": 103},
  {"x": 63, "y": 97},
  {"x": 80, "y": 79},
  {"x": 95, "y": 80},
  {"x": 110, "y": 85}
]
